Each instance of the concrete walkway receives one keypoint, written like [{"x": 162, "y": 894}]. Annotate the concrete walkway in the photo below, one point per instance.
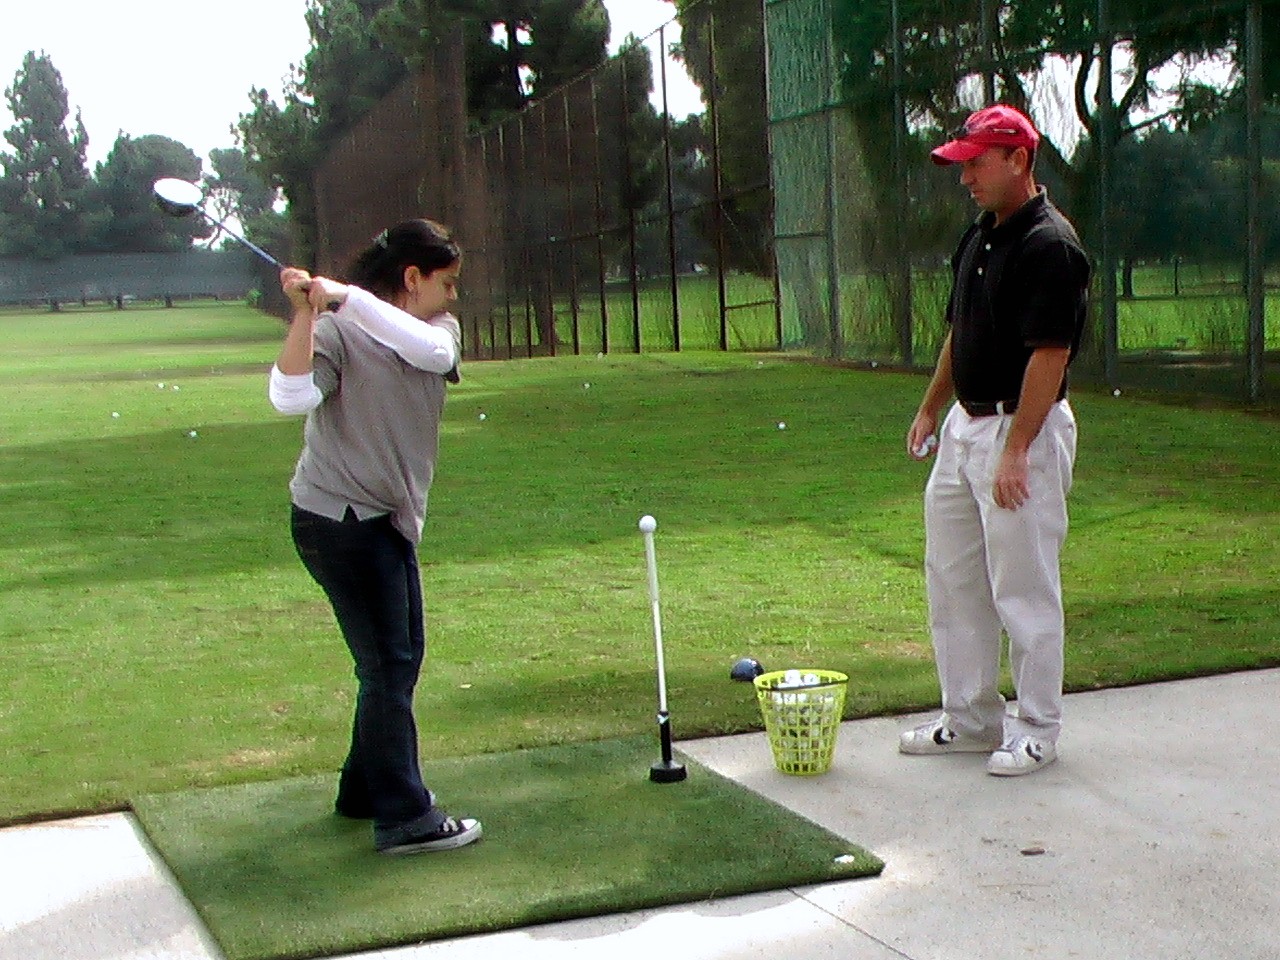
[{"x": 1156, "y": 836}]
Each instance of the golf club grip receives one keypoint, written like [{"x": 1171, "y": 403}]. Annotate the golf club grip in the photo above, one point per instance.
[{"x": 332, "y": 306}]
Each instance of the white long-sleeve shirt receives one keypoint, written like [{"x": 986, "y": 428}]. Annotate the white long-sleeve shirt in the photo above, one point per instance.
[{"x": 432, "y": 346}]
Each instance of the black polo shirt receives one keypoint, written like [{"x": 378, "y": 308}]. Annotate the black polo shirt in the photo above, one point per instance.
[{"x": 1016, "y": 287}]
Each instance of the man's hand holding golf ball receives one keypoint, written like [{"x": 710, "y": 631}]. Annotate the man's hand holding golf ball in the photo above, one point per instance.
[{"x": 922, "y": 438}]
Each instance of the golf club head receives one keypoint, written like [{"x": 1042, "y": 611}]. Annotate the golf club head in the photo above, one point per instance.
[
  {"x": 177, "y": 198},
  {"x": 181, "y": 198},
  {"x": 745, "y": 670}
]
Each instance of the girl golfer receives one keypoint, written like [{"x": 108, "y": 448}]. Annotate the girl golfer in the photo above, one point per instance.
[{"x": 367, "y": 363}]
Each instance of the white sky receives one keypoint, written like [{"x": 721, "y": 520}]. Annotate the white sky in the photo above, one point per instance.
[{"x": 183, "y": 68}]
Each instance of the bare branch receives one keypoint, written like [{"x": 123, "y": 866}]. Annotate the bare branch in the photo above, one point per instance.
[
  {"x": 1082, "y": 79},
  {"x": 1149, "y": 122}
]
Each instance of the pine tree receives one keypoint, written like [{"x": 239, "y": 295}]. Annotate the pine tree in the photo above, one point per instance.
[{"x": 45, "y": 180}]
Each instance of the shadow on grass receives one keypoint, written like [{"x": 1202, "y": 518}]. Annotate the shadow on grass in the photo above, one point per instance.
[
  {"x": 553, "y": 469},
  {"x": 557, "y": 466}
]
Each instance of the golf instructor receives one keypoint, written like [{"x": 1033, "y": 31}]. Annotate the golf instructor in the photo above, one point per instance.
[
  {"x": 995, "y": 503},
  {"x": 367, "y": 364}
]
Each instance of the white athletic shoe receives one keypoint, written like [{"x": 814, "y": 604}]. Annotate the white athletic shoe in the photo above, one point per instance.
[
  {"x": 937, "y": 737},
  {"x": 1025, "y": 755}
]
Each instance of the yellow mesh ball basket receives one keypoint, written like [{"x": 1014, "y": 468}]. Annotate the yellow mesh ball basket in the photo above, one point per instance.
[{"x": 802, "y": 721}]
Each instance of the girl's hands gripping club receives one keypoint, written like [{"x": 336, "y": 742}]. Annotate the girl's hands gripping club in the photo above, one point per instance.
[{"x": 317, "y": 293}]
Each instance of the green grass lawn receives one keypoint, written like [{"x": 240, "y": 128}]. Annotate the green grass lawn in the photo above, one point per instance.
[{"x": 157, "y": 631}]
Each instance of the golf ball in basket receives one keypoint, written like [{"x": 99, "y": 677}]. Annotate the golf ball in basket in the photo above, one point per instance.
[{"x": 648, "y": 524}]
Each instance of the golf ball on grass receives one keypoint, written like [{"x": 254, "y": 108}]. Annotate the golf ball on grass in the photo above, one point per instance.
[
  {"x": 115, "y": 415},
  {"x": 782, "y": 425},
  {"x": 192, "y": 434},
  {"x": 484, "y": 416}
]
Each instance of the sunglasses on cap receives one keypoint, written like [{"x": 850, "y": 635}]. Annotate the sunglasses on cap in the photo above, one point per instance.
[{"x": 963, "y": 132}]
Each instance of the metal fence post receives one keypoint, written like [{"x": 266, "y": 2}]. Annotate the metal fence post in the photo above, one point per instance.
[
  {"x": 671, "y": 191},
  {"x": 600, "y": 258},
  {"x": 902, "y": 256},
  {"x": 631, "y": 210},
  {"x": 1105, "y": 132},
  {"x": 1255, "y": 280},
  {"x": 836, "y": 320},
  {"x": 713, "y": 98}
]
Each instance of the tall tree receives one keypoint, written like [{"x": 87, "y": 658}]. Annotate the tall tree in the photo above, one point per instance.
[
  {"x": 942, "y": 51},
  {"x": 346, "y": 71},
  {"x": 123, "y": 188},
  {"x": 233, "y": 190},
  {"x": 516, "y": 50},
  {"x": 360, "y": 49},
  {"x": 42, "y": 191}
]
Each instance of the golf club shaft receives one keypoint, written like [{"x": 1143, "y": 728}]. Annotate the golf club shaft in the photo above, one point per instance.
[
  {"x": 652, "y": 559},
  {"x": 235, "y": 236}
]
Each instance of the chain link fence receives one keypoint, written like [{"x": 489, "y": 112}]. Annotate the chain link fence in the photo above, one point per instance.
[
  {"x": 1159, "y": 146},
  {"x": 797, "y": 208},
  {"x": 598, "y": 219},
  {"x": 124, "y": 277}
]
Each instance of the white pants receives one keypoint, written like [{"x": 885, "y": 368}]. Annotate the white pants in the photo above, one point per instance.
[{"x": 988, "y": 568}]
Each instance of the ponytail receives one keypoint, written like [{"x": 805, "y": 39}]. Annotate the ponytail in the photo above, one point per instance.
[{"x": 424, "y": 244}]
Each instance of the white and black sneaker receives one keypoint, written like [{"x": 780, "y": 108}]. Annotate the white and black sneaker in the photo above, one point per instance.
[
  {"x": 936, "y": 736},
  {"x": 451, "y": 834},
  {"x": 1024, "y": 755}
]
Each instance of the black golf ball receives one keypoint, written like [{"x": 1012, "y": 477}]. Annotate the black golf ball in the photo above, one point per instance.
[{"x": 746, "y": 669}]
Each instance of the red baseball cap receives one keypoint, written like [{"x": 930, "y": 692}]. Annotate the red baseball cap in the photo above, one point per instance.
[{"x": 996, "y": 126}]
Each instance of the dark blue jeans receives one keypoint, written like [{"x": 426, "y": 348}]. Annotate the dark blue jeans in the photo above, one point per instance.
[{"x": 369, "y": 572}]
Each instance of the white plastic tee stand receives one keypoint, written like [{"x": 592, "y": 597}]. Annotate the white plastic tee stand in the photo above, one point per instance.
[{"x": 666, "y": 770}]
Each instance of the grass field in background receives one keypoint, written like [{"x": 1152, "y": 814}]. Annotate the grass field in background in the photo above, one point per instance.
[
  {"x": 1209, "y": 315},
  {"x": 157, "y": 631}
]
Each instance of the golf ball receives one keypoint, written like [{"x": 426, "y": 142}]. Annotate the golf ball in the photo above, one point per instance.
[
  {"x": 1115, "y": 392},
  {"x": 586, "y": 386},
  {"x": 160, "y": 386},
  {"x": 484, "y": 416},
  {"x": 782, "y": 425},
  {"x": 192, "y": 434},
  {"x": 176, "y": 387},
  {"x": 648, "y": 524},
  {"x": 114, "y": 415}
]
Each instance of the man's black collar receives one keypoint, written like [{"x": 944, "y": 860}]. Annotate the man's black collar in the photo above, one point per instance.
[{"x": 1021, "y": 217}]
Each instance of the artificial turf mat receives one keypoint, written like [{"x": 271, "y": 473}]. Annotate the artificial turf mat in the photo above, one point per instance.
[{"x": 570, "y": 831}]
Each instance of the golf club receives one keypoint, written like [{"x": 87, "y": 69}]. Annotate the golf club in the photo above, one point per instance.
[
  {"x": 181, "y": 198},
  {"x": 665, "y": 770}
]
